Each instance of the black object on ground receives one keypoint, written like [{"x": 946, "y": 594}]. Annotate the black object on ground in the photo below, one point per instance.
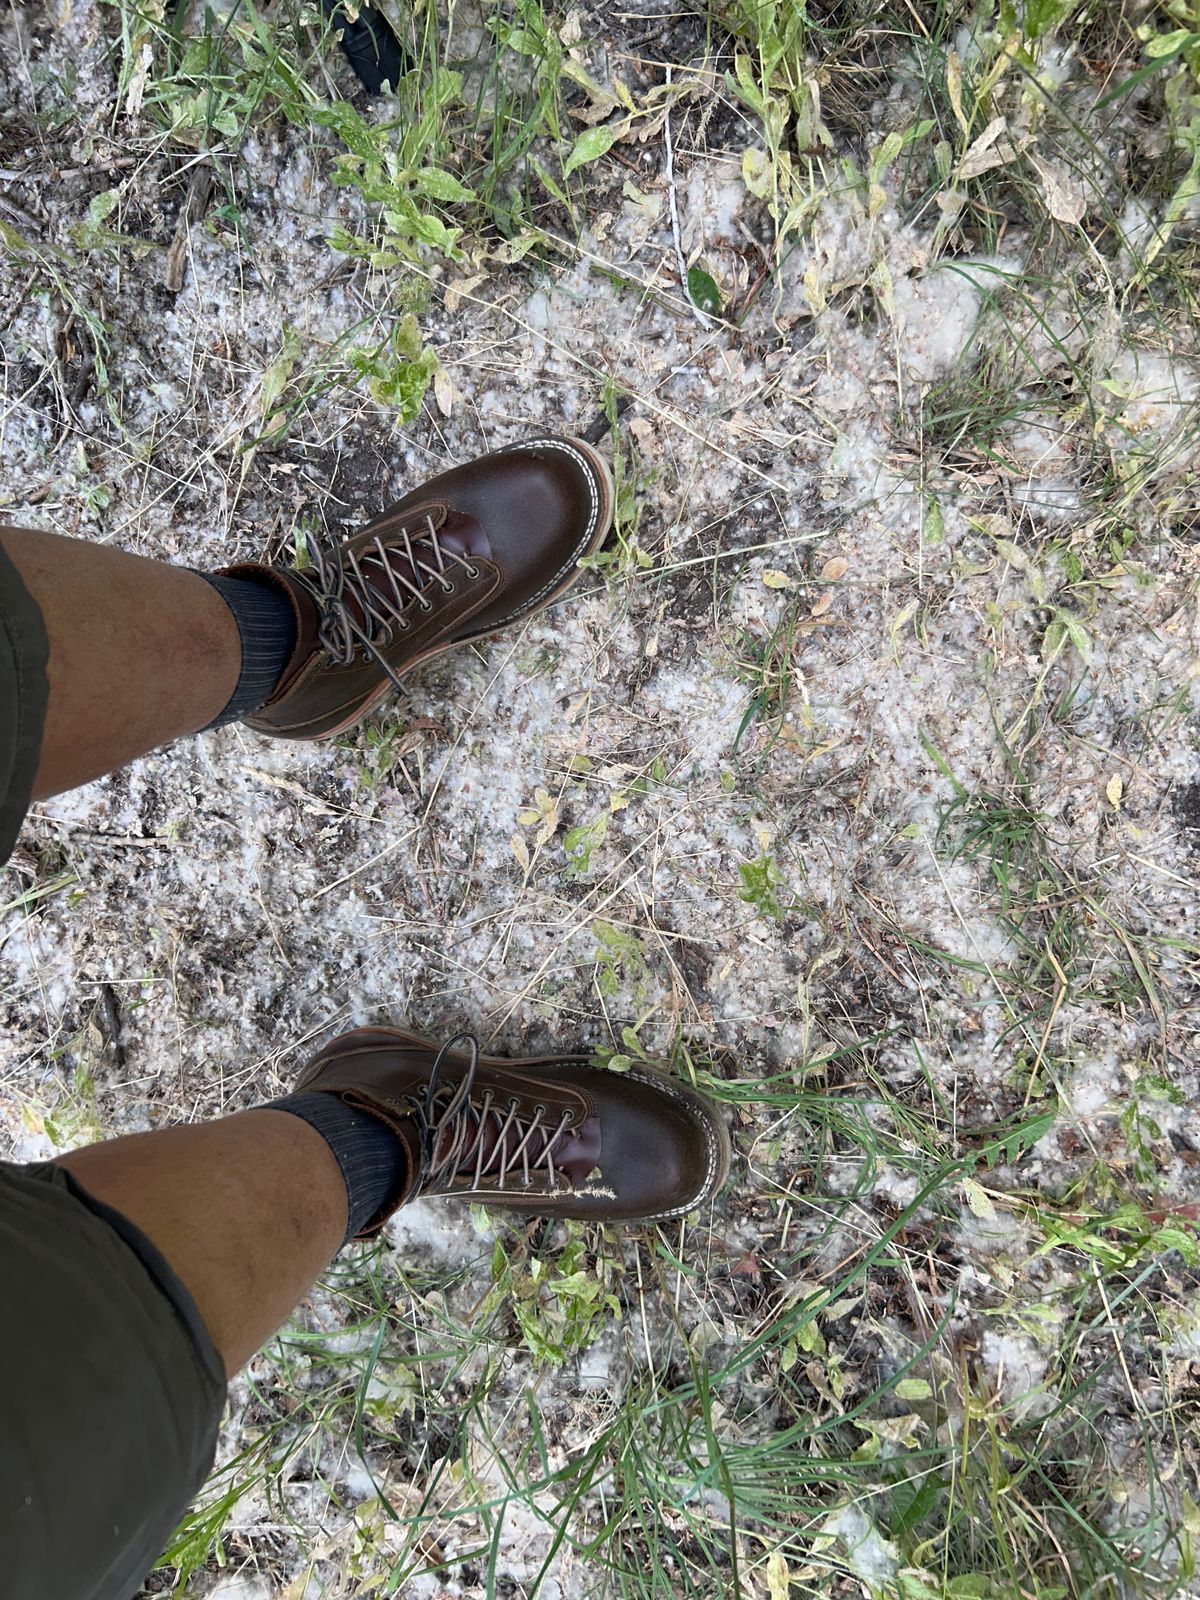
[
  {"x": 601, "y": 426},
  {"x": 371, "y": 47}
]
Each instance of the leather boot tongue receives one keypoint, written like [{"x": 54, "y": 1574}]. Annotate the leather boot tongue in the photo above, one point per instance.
[
  {"x": 576, "y": 1151},
  {"x": 457, "y": 534},
  {"x": 464, "y": 536}
]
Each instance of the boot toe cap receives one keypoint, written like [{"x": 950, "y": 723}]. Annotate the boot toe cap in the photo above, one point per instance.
[
  {"x": 543, "y": 505},
  {"x": 665, "y": 1150}
]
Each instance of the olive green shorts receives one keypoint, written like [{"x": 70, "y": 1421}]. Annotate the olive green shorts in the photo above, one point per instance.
[
  {"x": 22, "y": 699},
  {"x": 111, "y": 1394}
]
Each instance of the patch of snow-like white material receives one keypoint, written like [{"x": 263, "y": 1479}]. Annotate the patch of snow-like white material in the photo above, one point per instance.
[
  {"x": 1047, "y": 453},
  {"x": 1019, "y": 1369},
  {"x": 1184, "y": 1324},
  {"x": 1098, "y": 1088},
  {"x": 900, "y": 1188},
  {"x": 708, "y": 704},
  {"x": 244, "y": 899},
  {"x": 714, "y": 200},
  {"x": 936, "y": 312},
  {"x": 240, "y": 1587},
  {"x": 596, "y": 1366},
  {"x": 868, "y": 1555},
  {"x": 435, "y": 1231},
  {"x": 1148, "y": 397}
]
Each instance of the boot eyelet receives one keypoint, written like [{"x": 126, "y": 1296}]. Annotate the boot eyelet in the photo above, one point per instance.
[
  {"x": 425, "y": 605},
  {"x": 472, "y": 572},
  {"x": 402, "y": 625},
  {"x": 447, "y": 586}
]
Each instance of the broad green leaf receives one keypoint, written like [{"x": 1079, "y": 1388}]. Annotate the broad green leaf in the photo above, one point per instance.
[
  {"x": 704, "y": 292},
  {"x": 1043, "y": 16},
  {"x": 1170, "y": 44},
  {"x": 578, "y": 844},
  {"x": 913, "y": 1389},
  {"x": 746, "y": 86},
  {"x": 439, "y": 184},
  {"x": 757, "y": 173},
  {"x": 912, "y": 1501},
  {"x": 275, "y": 378},
  {"x": 886, "y": 154},
  {"x": 102, "y": 205},
  {"x": 591, "y": 144}
]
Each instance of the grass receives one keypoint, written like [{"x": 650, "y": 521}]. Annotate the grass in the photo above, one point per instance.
[{"x": 927, "y": 1348}]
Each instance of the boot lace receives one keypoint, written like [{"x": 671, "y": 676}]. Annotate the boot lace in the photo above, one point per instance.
[
  {"x": 402, "y": 568},
  {"x": 448, "y": 1110}
]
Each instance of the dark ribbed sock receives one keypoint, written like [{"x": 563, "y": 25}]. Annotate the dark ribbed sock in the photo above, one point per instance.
[
  {"x": 373, "y": 1162},
  {"x": 266, "y": 625}
]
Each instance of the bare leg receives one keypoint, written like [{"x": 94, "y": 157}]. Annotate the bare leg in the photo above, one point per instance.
[
  {"x": 141, "y": 653},
  {"x": 247, "y": 1210}
]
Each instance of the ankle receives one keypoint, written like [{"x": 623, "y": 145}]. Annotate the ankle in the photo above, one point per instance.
[
  {"x": 372, "y": 1156},
  {"x": 267, "y": 626}
]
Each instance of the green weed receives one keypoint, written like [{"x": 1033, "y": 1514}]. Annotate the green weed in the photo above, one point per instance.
[
  {"x": 581, "y": 842},
  {"x": 620, "y": 956},
  {"x": 761, "y": 881},
  {"x": 559, "y": 1302}
]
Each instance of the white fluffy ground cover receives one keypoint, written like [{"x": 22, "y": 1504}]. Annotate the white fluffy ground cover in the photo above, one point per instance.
[{"x": 178, "y": 937}]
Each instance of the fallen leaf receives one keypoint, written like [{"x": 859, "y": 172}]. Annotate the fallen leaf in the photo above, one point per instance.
[
  {"x": 459, "y": 288},
  {"x": 520, "y": 850},
  {"x": 779, "y": 1579},
  {"x": 978, "y": 1199},
  {"x": 823, "y": 603},
  {"x": 1114, "y": 789},
  {"x": 954, "y": 90},
  {"x": 313, "y": 804},
  {"x": 774, "y": 579},
  {"x": 836, "y": 567},
  {"x": 1065, "y": 201},
  {"x": 757, "y": 173},
  {"x": 903, "y": 618},
  {"x": 987, "y": 152}
]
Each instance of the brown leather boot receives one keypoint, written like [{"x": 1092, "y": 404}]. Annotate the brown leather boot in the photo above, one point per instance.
[
  {"x": 549, "y": 1136},
  {"x": 476, "y": 549}
]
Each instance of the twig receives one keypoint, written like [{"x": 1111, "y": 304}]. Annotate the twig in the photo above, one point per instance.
[
  {"x": 674, "y": 204},
  {"x": 193, "y": 208},
  {"x": 600, "y": 427},
  {"x": 25, "y": 218}
]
